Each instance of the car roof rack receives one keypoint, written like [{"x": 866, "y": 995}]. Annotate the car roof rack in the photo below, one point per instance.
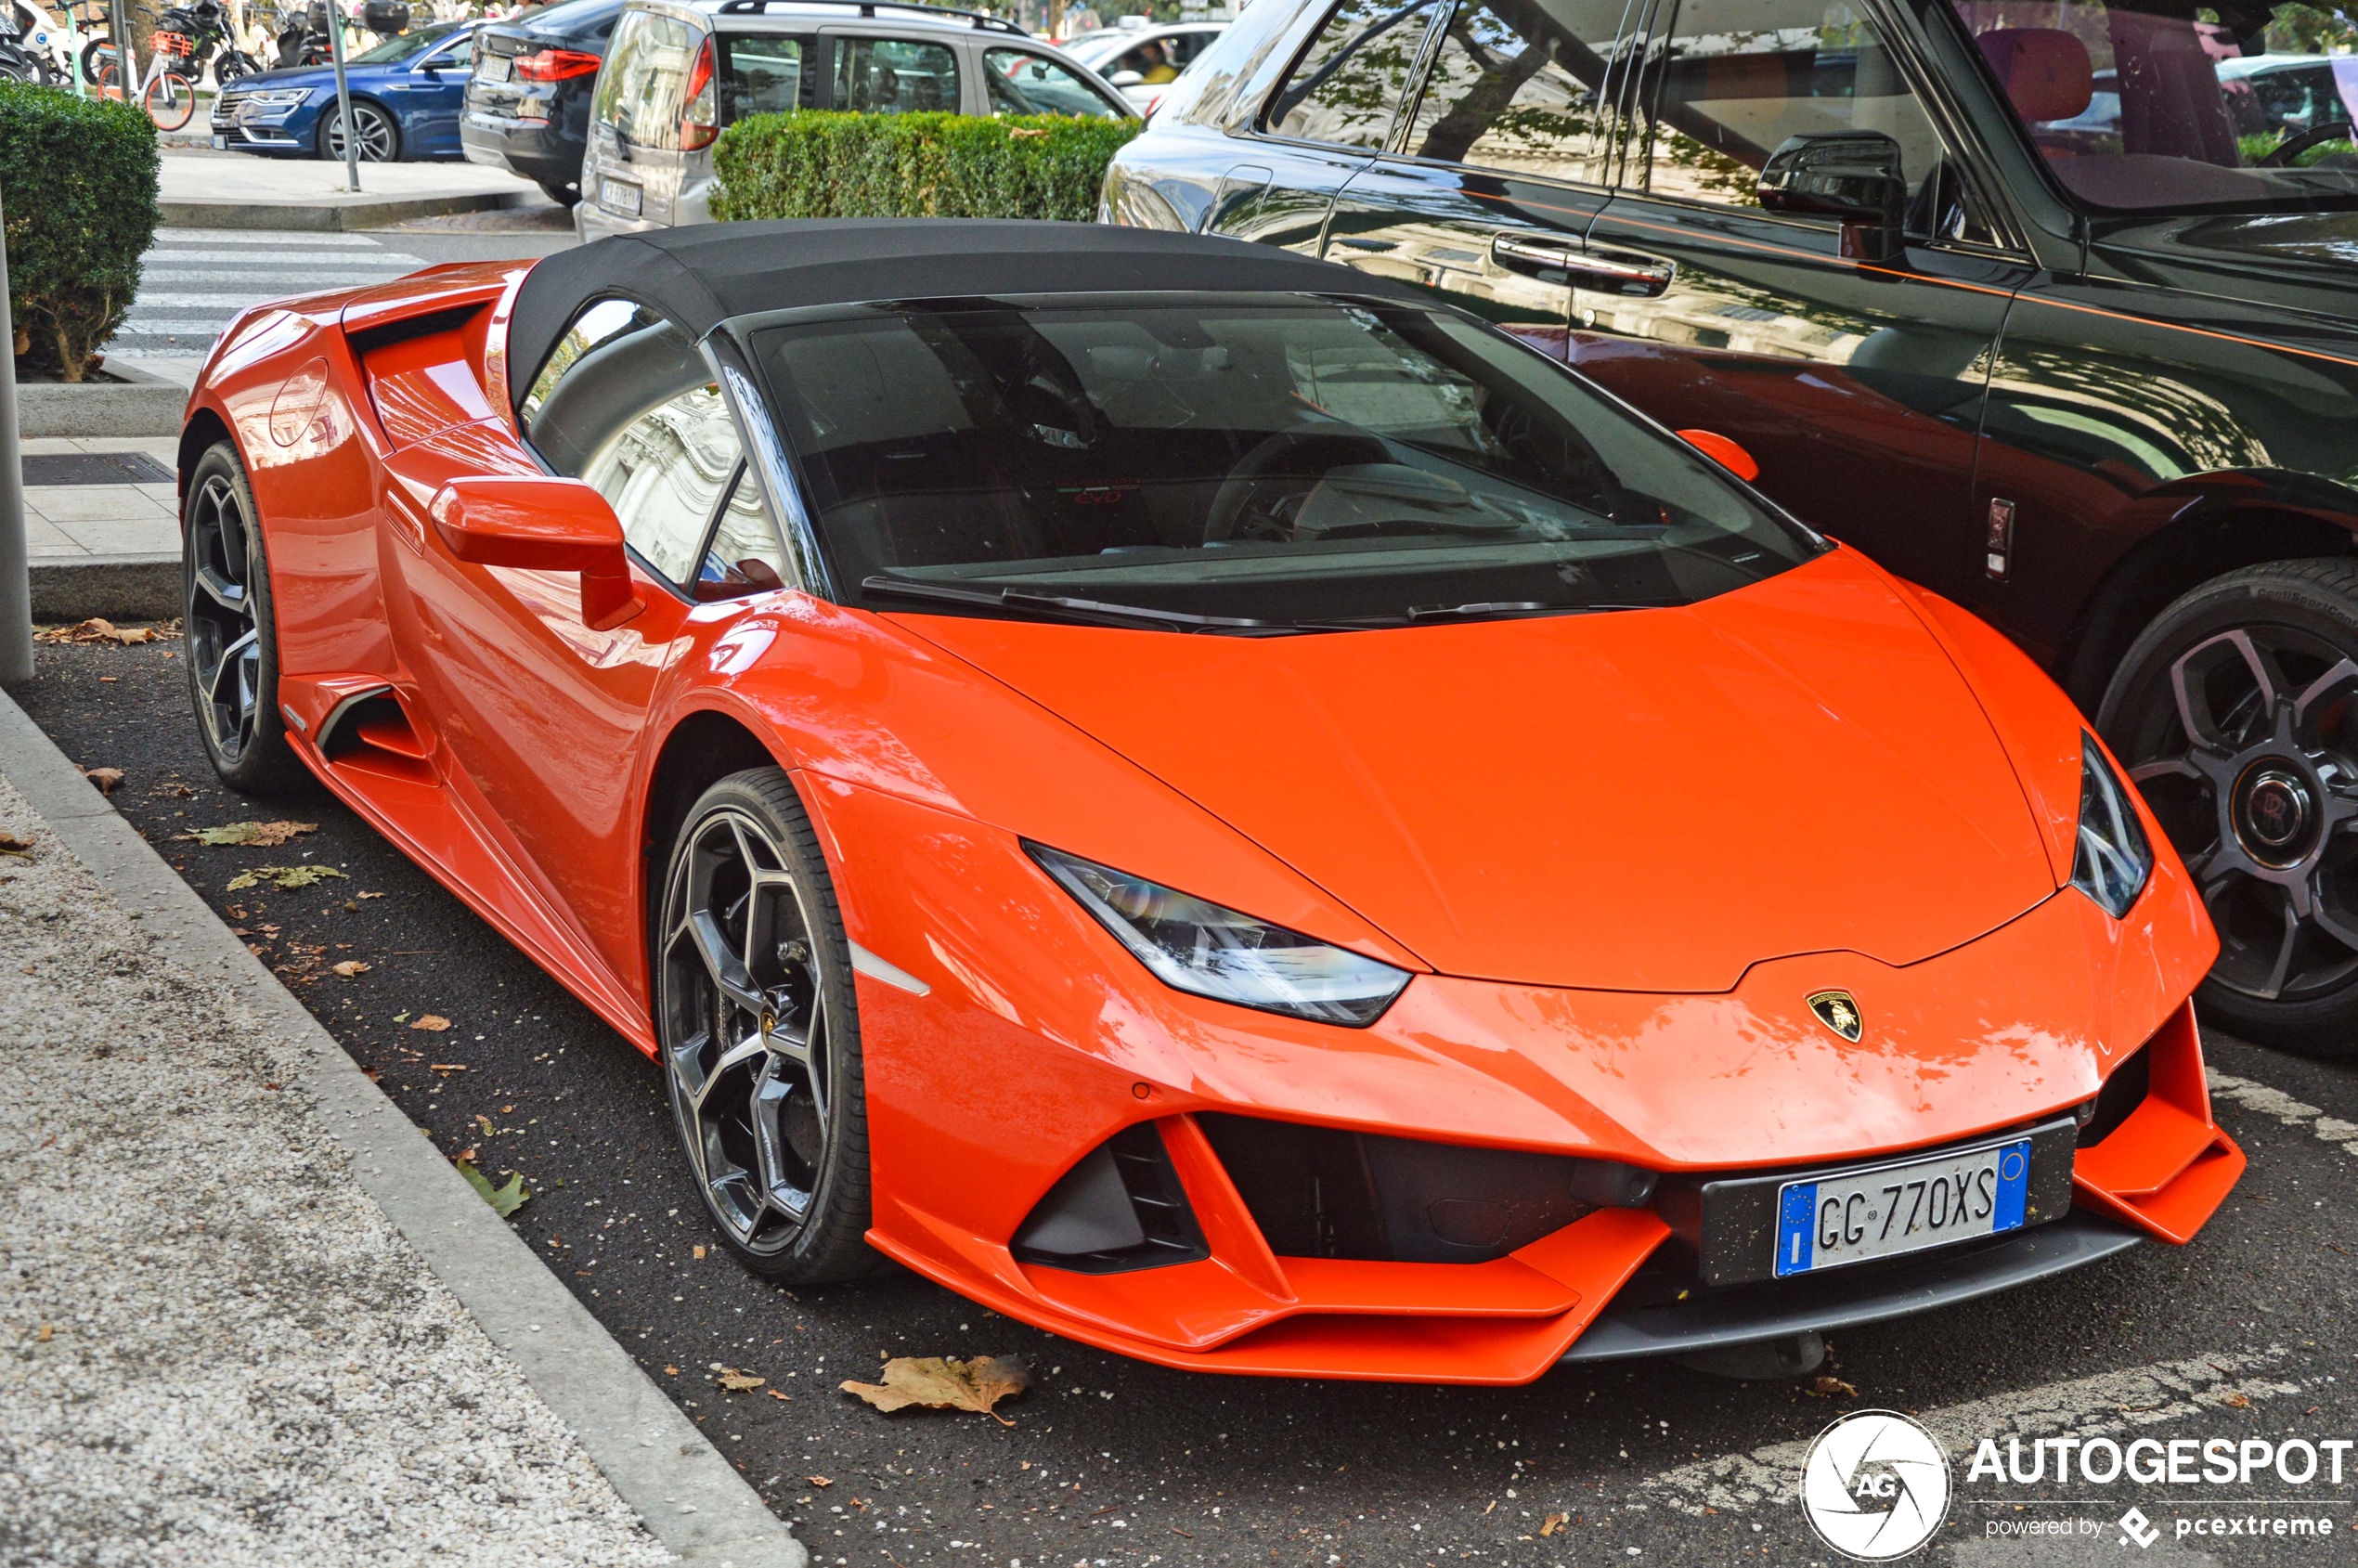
[{"x": 981, "y": 21}]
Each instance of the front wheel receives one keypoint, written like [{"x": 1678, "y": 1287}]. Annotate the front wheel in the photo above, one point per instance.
[
  {"x": 380, "y": 138},
  {"x": 2236, "y": 715},
  {"x": 99, "y": 63},
  {"x": 171, "y": 100},
  {"x": 760, "y": 1033},
  {"x": 232, "y": 634},
  {"x": 232, "y": 64}
]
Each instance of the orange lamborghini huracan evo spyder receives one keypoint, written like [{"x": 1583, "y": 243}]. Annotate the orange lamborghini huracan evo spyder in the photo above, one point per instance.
[{"x": 1205, "y": 800}]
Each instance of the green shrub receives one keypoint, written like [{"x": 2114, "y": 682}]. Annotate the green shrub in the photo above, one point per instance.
[
  {"x": 78, "y": 181},
  {"x": 817, "y": 164}
]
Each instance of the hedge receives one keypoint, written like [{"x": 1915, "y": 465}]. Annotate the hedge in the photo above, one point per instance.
[
  {"x": 812, "y": 163},
  {"x": 78, "y": 181}
]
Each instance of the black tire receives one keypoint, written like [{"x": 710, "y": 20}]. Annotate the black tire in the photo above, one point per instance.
[
  {"x": 97, "y": 62},
  {"x": 380, "y": 133},
  {"x": 232, "y": 639},
  {"x": 564, "y": 196},
  {"x": 2255, "y": 778},
  {"x": 774, "y": 1129}
]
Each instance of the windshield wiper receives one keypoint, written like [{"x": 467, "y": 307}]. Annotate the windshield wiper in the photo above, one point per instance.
[{"x": 1087, "y": 609}]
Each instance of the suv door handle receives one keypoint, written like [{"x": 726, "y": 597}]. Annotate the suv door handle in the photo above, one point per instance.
[
  {"x": 1619, "y": 272},
  {"x": 1525, "y": 254}
]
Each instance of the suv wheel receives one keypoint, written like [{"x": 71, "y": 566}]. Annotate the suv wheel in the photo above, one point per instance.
[{"x": 2236, "y": 714}]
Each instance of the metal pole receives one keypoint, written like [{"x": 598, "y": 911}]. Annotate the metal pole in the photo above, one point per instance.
[
  {"x": 343, "y": 98},
  {"x": 120, "y": 23},
  {"x": 16, "y": 581}
]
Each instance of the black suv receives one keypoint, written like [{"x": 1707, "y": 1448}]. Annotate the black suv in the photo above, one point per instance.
[
  {"x": 527, "y": 106},
  {"x": 2051, "y": 308}
]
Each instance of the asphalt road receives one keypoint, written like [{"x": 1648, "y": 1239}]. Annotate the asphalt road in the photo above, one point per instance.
[{"x": 2246, "y": 1334}]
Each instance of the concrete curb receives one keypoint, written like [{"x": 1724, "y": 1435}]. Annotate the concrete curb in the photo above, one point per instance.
[
  {"x": 121, "y": 587},
  {"x": 130, "y": 403},
  {"x": 689, "y": 1497},
  {"x": 332, "y": 214}
]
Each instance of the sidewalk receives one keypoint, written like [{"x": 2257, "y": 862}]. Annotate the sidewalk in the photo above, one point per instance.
[
  {"x": 102, "y": 549},
  {"x": 248, "y": 1315},
  {"x": 206, "y": 189}
]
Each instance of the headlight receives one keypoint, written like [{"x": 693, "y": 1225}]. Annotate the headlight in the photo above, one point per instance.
[
  {"x": 279, "y": 96},
  {"x": 1199, "y": 947},
  {"x": 2113, "y": 858}
]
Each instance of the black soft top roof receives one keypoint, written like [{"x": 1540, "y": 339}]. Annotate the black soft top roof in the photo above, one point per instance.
[{"x": 704, "y": 274}]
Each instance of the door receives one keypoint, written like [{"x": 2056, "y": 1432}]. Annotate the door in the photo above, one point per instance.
[
  {"x": 1857, "y": 386},
  {"x": 874, "y": 75},
  {"x": 1019, "y": 82},
  {"x": 1326, "y": 120},
  {"x": 631, "y": 167},
  {"x": 431, "y": 98},
  {"x": 1487, "y": 202},
  {"x": 543, "y": 713}
]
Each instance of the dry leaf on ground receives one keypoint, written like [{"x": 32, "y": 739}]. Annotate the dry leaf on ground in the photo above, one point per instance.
[
  {"x": 1826, "y": 1387},
  {"x": 98, "y": 630},
  {"x": 736, "y": 1382},
  {"x": 264, "y": 836},
  {"x": 945, "y": 1384},
  {"x": 820, "y": 1479},
  {"x": 504, "y": 1200},
  {"x": 1555, "y": 1522},
  {"x": 434, "y": 1022},
  {"x": 350, "y": 967},
  {"x": 11, "y": 845},
  {"x": 2237, "y": 1401},
  {"x": 105, "y": 778},
  {"x": 286, "y": 879}
]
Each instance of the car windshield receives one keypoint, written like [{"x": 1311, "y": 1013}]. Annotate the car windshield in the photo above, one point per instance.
[
  {"x": 2164, "y": 106},
  {"x": 1245, "y": 462},
  {"x": 405, "y": 45}
]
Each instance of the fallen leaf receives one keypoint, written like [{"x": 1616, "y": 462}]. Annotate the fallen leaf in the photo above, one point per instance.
[
  {"x": 945, "y": 1384},
  {"x": 265, "y": 836},
  {"x": 444, "y": 1067},
  {"x": 787, "y": 1397},
  {"x": 699, "y": 1254},
  {"x": 488, "y": 1130},
  {"x": 820, "y": 1479},
  {"x": 42, "y": 1336},
  {"x": 11, "y": 845},
  {"x": 98, "y": 630},
  {"x": 368, "y": 895},
  {"x": 105, "y": 778},
  {"x": 286, "y": 879},
  {"x": 1825, "y": 1387},
  {"x": 2237, "y": 1401},
  {"x": 1026, "y": 134},
  {"x": 350, "y": 967},
  {"x": 504, "y": 1200},
  {"x": 1555, "y": 1522},
  {"x": 433, "y": 1021},
  {"x": 736, "y": 1382},
  {"x": 671, "y": 1371}
]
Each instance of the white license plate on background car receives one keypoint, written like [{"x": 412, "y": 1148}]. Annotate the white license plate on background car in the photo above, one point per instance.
[
  {"x": 494, "y": 68},
  {"x": 1849, "y": 1217},
  {"x": 618, "y": 196},
  {"x": 221, "y": 144}
]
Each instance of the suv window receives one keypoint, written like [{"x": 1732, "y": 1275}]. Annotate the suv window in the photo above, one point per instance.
[
  {"x": 1347, "y": 86},
  {"x": 1025, "y": 83},
  {"x": 895, "y": 76},
  {"x": 760, "y": 74},
  {"x": 1528, "y": 85},
  {"x": 2153, "y": 105},
  {"x": 645, "y": 85},
  {"x": 627, "y": 404},
  {"x": 1739, "y": 76}
]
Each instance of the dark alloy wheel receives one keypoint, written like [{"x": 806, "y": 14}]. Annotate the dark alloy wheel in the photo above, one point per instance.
[
  {"x": 755, "y": 1013},
  {"x": 233, "y": 648},
  {"x": 380, "y": 138},
  {"x": 2236, "y": 714}
]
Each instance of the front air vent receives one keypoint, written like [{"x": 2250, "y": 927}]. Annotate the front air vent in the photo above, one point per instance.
[
  {"x": 2121, "y": 1095},
  {"x": 1120, "y": 1207}
]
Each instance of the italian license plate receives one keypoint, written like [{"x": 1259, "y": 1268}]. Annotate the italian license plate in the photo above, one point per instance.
[
  {"x": 1849, "y": 1217},
  {"x": 619, "y": 197},
  {"x": 494, "y": 68},
  {"x": 221, "y": 144}
]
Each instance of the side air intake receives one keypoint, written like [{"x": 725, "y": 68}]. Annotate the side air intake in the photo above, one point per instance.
[{"x": 1120, "y": 1207}]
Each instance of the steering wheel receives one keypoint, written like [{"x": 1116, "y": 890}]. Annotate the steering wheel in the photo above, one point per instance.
[
  {"x": 2293, "y": 147},
  {"x": 1288, "y": 450}
]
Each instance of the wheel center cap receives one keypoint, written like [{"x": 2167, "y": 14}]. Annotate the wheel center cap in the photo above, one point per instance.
[{"x": 2275, "y": 813}]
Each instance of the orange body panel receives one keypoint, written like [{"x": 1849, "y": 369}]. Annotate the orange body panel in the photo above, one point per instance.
[{"x": 1615, "y": 853}]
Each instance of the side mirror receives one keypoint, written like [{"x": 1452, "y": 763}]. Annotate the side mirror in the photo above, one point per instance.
[
  {"x": 542, "y": 524},
  {"x": 1721, "y": 450},
  {"x": 1853, "y": 175},
  {"x": 1125, "y": 79}
]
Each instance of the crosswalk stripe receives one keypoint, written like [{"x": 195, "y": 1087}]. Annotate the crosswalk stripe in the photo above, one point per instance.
[
  {"x": 175, "y": 259},
  {"x": 226, "y": 305},
  {"x": 268, "y": 239},
  {"x": 309, "y": 279},
  {"x": 207, "y": 327}
]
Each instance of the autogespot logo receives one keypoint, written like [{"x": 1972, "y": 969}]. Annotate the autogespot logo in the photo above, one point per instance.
[{"x": 1875, "y": 1485}]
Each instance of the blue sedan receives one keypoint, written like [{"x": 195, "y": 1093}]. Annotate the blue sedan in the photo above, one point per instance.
[{"x": 406, "y": 97}]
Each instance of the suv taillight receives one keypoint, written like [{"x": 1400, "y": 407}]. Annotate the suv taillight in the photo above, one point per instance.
[
  {"x": 699, "y": 123},
  {"x": 555, "y": 65}
]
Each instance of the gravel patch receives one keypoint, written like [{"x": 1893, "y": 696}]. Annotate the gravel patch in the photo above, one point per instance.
[{"x": 214, "y": 1347}]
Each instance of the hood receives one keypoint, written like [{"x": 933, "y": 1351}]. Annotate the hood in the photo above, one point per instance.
[
  {"x": 314, "y": 76},
  {"x": 1640, "y": 800}
]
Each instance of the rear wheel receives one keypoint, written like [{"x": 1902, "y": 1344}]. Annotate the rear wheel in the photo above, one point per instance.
[
  {"x": 2236, "y": 714},
  {"x": 232, "y": 639},
  {"x": 98, "y": 62},
  {"x": 760, "y": 1035},
  {"x": 171, "y": 100}
]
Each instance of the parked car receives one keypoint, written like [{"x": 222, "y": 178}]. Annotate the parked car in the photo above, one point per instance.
[
  {"x": 1233, "y": 712},
  {"x": 2098, "y": 385},
  {"x": 680, "y": 73},
  {"x": 1142, "y": 58},
  {"x": 406, "y": 94},
  {"x": 527, "y": 110}
]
